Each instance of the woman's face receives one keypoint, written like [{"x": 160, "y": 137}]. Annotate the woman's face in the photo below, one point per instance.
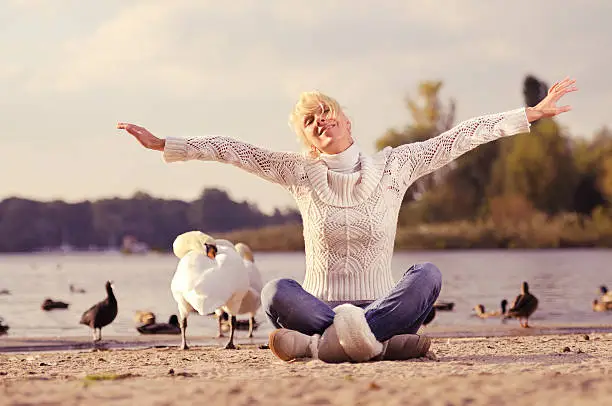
[{"x": 330, "y": 135}]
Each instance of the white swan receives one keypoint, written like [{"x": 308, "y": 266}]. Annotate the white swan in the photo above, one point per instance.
[
  {"x": 252, "y": 300},
  {"x": 209, "y": 275}
]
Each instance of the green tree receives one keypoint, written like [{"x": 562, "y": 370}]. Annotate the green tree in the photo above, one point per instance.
[
  {"x": 589, "y": 158},
  {"x": 538, "y": 166}
]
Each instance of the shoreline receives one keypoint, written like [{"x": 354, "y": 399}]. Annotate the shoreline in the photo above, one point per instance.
[{"x": 9, "y": 344}]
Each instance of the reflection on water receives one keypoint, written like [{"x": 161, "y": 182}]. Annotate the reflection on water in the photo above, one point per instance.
[{"x": 565, "y": 282}]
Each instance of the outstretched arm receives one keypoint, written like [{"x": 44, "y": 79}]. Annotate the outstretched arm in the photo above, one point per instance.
[
  {"x": 279, "y": 167},
  {"x": 417, "y": 159},
  {"x": 420, "y": 158}
]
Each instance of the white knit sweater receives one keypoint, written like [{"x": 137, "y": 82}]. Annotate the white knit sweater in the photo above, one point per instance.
[{"x": 350, "y": 219}]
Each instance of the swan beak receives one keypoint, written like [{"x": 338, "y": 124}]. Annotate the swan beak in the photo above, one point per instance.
[{"x": 211, "y": 251}]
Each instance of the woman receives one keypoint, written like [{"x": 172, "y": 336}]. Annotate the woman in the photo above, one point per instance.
[{"x": 349, "y": 308}]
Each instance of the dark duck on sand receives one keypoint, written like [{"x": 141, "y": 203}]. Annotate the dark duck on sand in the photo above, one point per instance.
[
  {"x": 524, "y": 305},
  {"x": 102, "y": 313}
]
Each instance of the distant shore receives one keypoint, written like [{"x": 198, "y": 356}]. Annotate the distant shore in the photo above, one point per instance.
[
  {"x": 560, "y": 369},
  {"x": 10, "y": 344},
  {"x": 538, "y": 232}
]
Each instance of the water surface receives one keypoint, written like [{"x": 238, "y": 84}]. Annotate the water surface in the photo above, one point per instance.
[{"x": 565, "y": 281}]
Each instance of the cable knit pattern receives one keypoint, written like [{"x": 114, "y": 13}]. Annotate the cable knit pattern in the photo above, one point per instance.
[{"x": 350, "y": 219}]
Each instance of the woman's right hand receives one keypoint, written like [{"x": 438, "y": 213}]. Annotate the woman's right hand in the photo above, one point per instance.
[{"x": 143, "y": 136}]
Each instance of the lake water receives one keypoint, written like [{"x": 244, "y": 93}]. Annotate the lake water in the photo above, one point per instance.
[{"x": 565, "y": 281}]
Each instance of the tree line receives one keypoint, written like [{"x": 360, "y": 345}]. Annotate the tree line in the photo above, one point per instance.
[{"x": 28, "y": 225}]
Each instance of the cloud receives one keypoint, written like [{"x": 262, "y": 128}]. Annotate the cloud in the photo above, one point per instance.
[
  {"x": 36, "y": 6},
  {"x": 9, "y": 71},
  {"x": 126, "y": 42},
  {"x": 192, "y": 46}
]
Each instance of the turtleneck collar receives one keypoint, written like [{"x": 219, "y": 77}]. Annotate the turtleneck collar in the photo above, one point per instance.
[{"x": 346, "y": 161}]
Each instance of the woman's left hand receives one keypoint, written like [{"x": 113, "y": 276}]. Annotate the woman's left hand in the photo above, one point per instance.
[{"x": 548, "y": 106}]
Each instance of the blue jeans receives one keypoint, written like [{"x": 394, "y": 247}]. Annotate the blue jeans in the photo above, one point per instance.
[{"x": 402, "y": 311}]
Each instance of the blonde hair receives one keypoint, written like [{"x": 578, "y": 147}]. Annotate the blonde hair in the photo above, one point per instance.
[{"x": 311, "y": 103}]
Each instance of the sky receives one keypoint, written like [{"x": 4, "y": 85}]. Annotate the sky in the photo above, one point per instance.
[{"x": 72, "y": 69}]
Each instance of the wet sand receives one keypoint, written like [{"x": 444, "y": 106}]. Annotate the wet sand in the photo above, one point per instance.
[{"x": 533, "y": 368}]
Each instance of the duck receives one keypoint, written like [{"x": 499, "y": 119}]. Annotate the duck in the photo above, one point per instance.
[
  {"x": 240, "y": 323},
  {"x": 171, "y": 327},
  {"x": 102, "y": 313},
  {"x": 50, "y": 304},
  {"x": 74, "y": 289},
  {"x": 210, "y": 275},
  {"x": 483, "y": 314},
  {"x": 444, "y": 306},
  {"x": 523, "y": 307},
  {"x": 4, "y": 328},
  {"x": 599, "y": 306},
  {"x": 144, "y": 317},
  {"x": 605, "y": 295}
]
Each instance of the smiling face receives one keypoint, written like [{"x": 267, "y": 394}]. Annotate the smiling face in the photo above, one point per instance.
[
  {"x": 320, "y": 123},
  {"x": 328, "y": 132}
]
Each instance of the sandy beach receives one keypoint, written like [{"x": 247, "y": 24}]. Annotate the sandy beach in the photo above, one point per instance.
[{"x": 560, "y": 369}]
